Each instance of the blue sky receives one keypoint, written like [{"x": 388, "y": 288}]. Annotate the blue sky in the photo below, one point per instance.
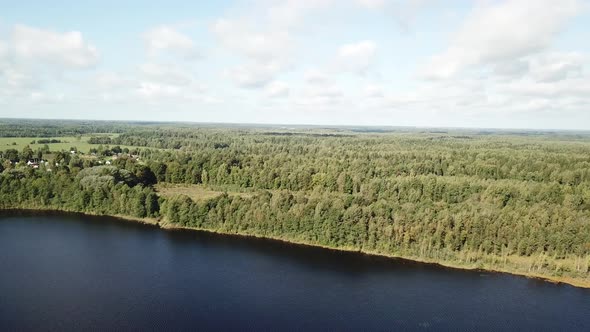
[{"x": 487, "y": 63}]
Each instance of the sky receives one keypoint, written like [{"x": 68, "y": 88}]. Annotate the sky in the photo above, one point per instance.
[{"x": 426, "y": 63}]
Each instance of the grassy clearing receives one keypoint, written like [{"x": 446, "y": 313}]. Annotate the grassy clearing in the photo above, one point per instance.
[
  {"x": 196, "y": 192},
  {"x": 67, "y": 142}
]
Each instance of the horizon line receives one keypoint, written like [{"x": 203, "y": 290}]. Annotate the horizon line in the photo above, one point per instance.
[{"x": 330, "y": 126}]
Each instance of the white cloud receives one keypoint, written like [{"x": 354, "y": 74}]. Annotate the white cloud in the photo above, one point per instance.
[
  {"x": 110, "y": 86},
  {"x": 42, "y": 97},
  {"x": 404, "y": 12},
  {"x": 3, "y": 50},
  {"x": 357, "y": 57},
  {"x": 518, "y": 102},
  {"x": 327, "y": 91},
  {"x": 575, "y": 87},
  {"x": 318, "y": 103},
  {"x": 315, "y": 76},
  {"x": 17, "y": 82},
  {"x": 155, "y": 90},
  {"x": 152, "y": 92},
  {"x": 266, "y": 39},
  {"x": 239, "y": 37},
  {"x": 35, "y": 64},
  {"x": 266, "y": 53},
  {"x": 166, "y": 38},
  {"x": 374, "y": 91},
  {"x": 290, "y": 13},
  {"x": 111, "y": 80},
  {"x": 550, "y": 67},
  {"x": 371, "y": 4},
  {"x": 508, "y": 59},
  {"x": 166, "y": 73},
  {"x": 67, "y": 49},
  {"x": 277, "y": 89},
  {"x": 511, "y": 69},
  {"x": 322, "y": 95},
  {"x": 502, "y": 31},
  {"x": 542, "y": 67},
  {"x": 253, "y": 75}
]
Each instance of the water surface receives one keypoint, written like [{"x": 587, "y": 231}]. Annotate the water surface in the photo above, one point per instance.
[{"x": 66, "y": 272}]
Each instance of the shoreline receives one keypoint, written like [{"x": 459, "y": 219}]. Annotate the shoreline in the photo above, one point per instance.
[
  {"x": 551, "y": 279},
  {"x": 171, "y": 227}
]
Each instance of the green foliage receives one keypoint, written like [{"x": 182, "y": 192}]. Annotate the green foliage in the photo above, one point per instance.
[{"x": 468, "y": 197}]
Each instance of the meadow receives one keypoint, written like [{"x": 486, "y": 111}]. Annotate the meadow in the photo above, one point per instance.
[{"x": 66, "y": 143}]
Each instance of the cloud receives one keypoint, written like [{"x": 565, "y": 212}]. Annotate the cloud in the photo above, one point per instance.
[
  {"x": 166, "y": 38},
  {"x": 277, "y": 89},
  {"x": 110, "y": 86},
  {"x": 404, "y": 12},
  {"x": 371, "y": 4},
  {"x": 511, "y": 69},
  {"x": 42, "y": 97},
  {"x": 67, "y": 49},
  {"x": 17, "y": 82},
  {"x": 318, "y": 94},
  {"x": 166, "y": 73},
  {"x": 290, "y": 13},
  {"x": 239, "y": 37},
  {"x": 155, "y": 90},
  {"x": 374, "y": 91},
  {"x": 507, "y": 59},
  {"x": 265, "y": 40},
  {"x": 3, "y": 50},
  {"x": 519, "y": 102},
  {"x": 315, "y": 76},
  {"x": 543, "y": 67},
  {"x": 111, "y": 80},
  {"x": 555, "y": 66},
  {"x": 148, "y": 82},
  {"x": 161, "y": 81},
  {"x": 266, "y": 54},
  {"x": 574, "y": 87},
  {"x": 501, "y": 31},
  {"x": 356, "y": 57},
  {"x": 253, "y": 75},
  {"x": 31, "y": 57},
  {"x": 330, "y": 91}
]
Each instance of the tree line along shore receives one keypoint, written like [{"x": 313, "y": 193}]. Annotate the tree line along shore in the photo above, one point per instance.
[{"x": 512, "y": 202}]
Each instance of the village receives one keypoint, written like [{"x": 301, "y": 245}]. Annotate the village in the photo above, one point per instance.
[{"x": 47, "y": 160}]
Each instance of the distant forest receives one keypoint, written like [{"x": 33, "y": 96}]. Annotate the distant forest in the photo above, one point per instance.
[{"x": 502, "y": 200}]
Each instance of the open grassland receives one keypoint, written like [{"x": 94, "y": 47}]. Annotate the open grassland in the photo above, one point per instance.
[
  {"x": 66, "y": 143},
  {"x": 198, "y": 193}
]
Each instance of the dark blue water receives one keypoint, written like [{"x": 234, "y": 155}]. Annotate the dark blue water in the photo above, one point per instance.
[{"x": 73, "y": 273}]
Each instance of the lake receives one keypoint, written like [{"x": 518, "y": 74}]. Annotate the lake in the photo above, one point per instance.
[{"x": 67, "y": 272}]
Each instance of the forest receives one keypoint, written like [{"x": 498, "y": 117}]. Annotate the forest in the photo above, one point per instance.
[{"x": 508, "y": 201}]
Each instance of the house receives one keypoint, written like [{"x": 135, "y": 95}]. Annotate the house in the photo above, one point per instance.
[{"x": 33, "y": 164}]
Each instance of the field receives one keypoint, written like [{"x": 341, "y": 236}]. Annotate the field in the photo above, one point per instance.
[
  {"x": 198, "y": 193},
  {"x": 67, "y": 142}
]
